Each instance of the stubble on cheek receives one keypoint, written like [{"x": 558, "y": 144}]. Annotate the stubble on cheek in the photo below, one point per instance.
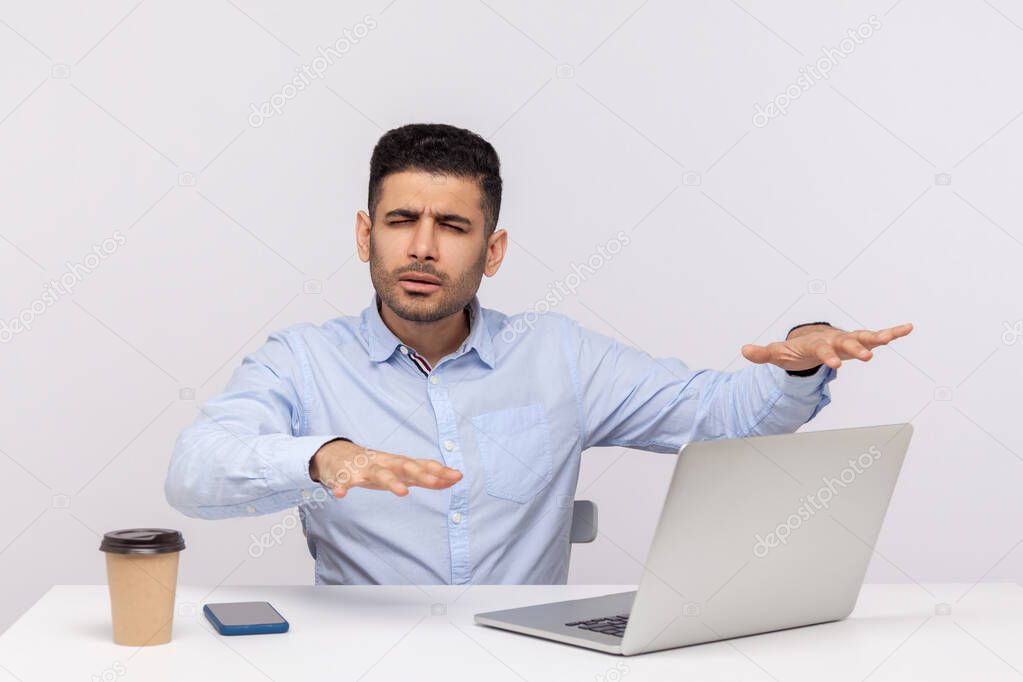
[{"x": 454, "y": 295}]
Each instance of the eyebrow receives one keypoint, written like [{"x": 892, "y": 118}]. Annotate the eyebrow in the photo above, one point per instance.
[{"x": 440, "y": 217}]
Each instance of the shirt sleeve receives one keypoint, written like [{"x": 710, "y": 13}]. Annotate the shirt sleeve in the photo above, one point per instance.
[
  {"x": 631, "y": 399},
  {"x": 243, "y": 455}
]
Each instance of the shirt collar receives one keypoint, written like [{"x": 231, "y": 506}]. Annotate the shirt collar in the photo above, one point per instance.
[{"x": 383, "y": 343}]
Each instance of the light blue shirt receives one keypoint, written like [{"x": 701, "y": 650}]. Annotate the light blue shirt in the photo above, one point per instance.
[{"x": 513, "y": 409}]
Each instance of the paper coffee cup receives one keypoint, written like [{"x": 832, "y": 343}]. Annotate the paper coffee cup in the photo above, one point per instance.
[{"x": 142, "y": 574}]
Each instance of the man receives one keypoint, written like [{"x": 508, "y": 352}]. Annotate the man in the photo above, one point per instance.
[{"x": 469, "y": 422}]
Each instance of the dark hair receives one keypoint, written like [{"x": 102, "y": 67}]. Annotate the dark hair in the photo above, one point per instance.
[{"x": 439, "y": 148}]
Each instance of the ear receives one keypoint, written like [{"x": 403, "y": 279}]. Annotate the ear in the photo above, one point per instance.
[
  {"x": 497, "y": 246},
  {"x": 363, "y": 224}
]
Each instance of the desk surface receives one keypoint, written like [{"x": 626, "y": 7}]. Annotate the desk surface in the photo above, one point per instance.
[{"x": 897, "y": 632}]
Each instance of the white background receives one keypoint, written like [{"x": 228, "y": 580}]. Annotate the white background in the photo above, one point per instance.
[{"x": 134, "y": 119}]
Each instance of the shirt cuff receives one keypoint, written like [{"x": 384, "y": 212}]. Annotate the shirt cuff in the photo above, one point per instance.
[
  {"x": 289, "y": 469},
  {"x": 802, "y": 397},
  {"x": 803, "y": 387}
]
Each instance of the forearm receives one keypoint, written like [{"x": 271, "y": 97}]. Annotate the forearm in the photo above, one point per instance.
[
  {"x": 760, "y": 400},
  {"x": 217, "y": 472},
  {"x": 628, "y": 398}
]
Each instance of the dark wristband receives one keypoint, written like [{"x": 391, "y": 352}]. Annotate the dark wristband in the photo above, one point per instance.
[
  {"x": 811, "y": 370},
  {"x": 806, "y": 324}
]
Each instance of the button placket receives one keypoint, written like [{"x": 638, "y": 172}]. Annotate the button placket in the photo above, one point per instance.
[{"x": 458, "y": 530}]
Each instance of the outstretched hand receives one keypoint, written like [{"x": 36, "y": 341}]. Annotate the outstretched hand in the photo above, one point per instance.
[
  {"x": 342, "y": 465},
  {"x": 810, "y": 346}
]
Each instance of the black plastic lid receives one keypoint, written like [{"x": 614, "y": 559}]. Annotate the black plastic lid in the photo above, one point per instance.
[{"x": 142, "y": 541}]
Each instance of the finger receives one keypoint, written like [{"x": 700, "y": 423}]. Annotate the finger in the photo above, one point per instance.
[
  {"x": 900, "y": 331},
  {"x": 389, "y": 481},
  {"x": 755, "y": 353},
  {"x": 407, "y": 469},
  {"x": 421, "y": 477},
  {"x": 438, "y": 469},
  {"x": 340, "y": 491},
  {"x": 871, "y": 339},
  {"x": 382, "y": 458},
  {"x": 827, "y": 355},
  {"x": 854, "y": 348},
  {"x": 414, "y": 473},
  {"x": 879, "y": 338}
]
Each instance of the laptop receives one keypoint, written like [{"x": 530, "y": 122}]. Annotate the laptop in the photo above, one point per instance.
[{"x": 755, "y": 535}]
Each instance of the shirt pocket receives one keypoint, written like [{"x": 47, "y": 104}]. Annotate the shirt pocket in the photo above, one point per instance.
[{"x": 515, "y": 451}]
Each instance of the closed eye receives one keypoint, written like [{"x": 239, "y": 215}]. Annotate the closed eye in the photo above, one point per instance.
[{"x": 402, "y": 222}]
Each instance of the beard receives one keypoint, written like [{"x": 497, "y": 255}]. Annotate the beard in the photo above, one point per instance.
[{"x": 452, "y": 296}]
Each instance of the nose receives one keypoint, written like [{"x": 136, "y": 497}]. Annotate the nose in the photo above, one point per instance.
[{"x": 423, "y": 244}]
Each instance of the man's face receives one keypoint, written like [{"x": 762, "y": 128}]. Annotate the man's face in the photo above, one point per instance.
[{"x": 426, "y": 246}]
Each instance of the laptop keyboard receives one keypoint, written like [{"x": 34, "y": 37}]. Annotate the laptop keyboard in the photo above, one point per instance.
[{"x": 610, "y": 625}]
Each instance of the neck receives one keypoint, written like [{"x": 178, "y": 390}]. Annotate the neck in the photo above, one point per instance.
[{"x": 433, "y": 340}]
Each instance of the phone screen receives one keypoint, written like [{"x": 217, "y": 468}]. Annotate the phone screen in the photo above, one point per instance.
[{"x": 246, "y": 613}]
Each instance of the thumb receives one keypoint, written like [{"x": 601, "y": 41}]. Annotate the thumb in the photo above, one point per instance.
[{"x": 755, "y": 353}]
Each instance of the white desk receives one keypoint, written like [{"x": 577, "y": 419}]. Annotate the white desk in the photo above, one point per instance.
[{"x": 425, "y": 633}]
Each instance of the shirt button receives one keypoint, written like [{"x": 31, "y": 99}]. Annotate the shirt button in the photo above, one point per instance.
[
  {"x": 434, "y": 380},
  {"x": 456, "y": 517},
  {"x": 448, "y": 445},
  {"x": 249, "y": 508},
  {"x": 305, "y": 494},
  {"x": 403, "y": 349}
]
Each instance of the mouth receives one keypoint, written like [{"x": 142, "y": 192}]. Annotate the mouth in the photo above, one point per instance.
[{"x": 419, "y": 282}]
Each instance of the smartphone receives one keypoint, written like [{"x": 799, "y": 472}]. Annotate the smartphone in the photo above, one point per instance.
[{"x": 245, "y": 618}]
